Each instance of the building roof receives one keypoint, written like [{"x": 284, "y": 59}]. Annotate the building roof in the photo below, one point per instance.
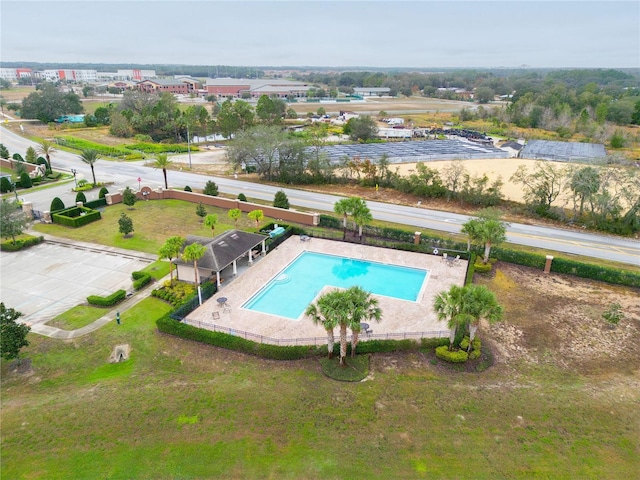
[
  {"x": 563, "y": 151},
  {"x": 253, "y": 83},
  {"x": 514, "y": 145},
  {"x": 372, "y": 89},
  {"x": 165, "y": 82},
  {"x": 223, "y": 249}
]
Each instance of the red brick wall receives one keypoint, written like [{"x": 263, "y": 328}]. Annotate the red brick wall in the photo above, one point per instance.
[{"x": 302, "y": 218}]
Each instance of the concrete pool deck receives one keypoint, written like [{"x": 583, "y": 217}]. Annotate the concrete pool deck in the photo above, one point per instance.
[{"x": 400, "y": 318}]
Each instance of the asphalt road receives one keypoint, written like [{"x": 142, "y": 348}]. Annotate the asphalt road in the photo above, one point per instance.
[{"x": 126, "y": 174}]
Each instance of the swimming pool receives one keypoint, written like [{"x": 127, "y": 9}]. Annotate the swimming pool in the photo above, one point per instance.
[{"x": 291, "y": 290}]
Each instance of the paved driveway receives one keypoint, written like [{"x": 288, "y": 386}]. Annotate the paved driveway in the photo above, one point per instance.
[{"x": 48, "y": 279}]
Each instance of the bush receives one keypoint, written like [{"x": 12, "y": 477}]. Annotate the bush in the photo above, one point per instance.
[
  {"x": 327, "y": 221},
  {"x": 154, "y": 148},
  {"x": 109, "y": 301},
  {"x": 464, "y": 344},
  {"x": 5, "y": 185},
  {"x": 280, "y": 200},
  {"x": 188, "y": 189},
  {"x": 80, "y": 197},
  {"x": 25, "y": 180},
  {"x": 75, "y": 216},
  {"x": 21, "y": 243},
  {"x": 455, "y": 356},
  {"x": 482, "y": 267},
  {"x": 242, "y": 197},
  {"x": 210, "y": 188},
  {"x": 101, "y": 202},
  {"x": 103, "y": 192},
  {"x": 140, "y": 279},
  {"x": 56, "y": 205}
]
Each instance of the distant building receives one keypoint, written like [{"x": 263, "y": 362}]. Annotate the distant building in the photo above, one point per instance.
[
  {"x": 236, "y": 87},
  {"x": 135, "y": 74},
  {"x": 372, "y": 91},
  {"x": 69, "y": 75}
]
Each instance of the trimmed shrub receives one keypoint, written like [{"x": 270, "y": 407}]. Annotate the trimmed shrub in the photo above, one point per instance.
[
  {"x": 25, "y": 180},
  {"x": 108, "y": 301},
  {"x": 21, "y": 243},
  {"x": 188, "y": 189},
  {"x": 75, "y": 216},
  {"x": 242, "y": 197},
  {"x": 56, "y": 205},
  {"x": 5, "y": 185},
  {"x": 101, "y": 202},
  {"x": 140, "y": 279},
  {"x": 103, "y": 192},
  {"x": 154, "y": 148},
  {"x": 474, "y": 354},
  {"x": 280, "y": 200},
  {"x": 327, "y": 221},
  {"x": 464, "y": 344},
  {"x": 482, "y": 267},
  {"x": 455, "y": 356},
  {"x": 80, "y": 197},
  {"x": 210, "y": 188}
]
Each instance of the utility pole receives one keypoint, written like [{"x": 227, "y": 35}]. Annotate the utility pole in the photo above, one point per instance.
[{"x": 189, "y": 145}]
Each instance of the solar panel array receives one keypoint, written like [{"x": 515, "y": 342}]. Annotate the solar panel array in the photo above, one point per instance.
[
  {"x": 562, "y": 151},
  {"x": 414, "y": 151}
]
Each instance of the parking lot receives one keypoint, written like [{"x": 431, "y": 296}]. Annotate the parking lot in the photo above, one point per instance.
[{"x": 48, "y": 279}]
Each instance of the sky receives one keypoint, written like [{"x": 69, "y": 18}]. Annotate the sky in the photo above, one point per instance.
[{"x": 339, "y": 33}]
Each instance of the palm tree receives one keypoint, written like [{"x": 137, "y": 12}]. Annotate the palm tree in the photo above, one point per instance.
[
  {"x": 235, "y": 214},
  {"x": 323, "y": 312},
  {"x": 480, "y": 303},
  {"x": 170, "y": 250},
  {"x": 364, "y": 308},
  {"x": 90, "y": 157},
  {"x": 448, "y": 307},
  {"x": 210, "y": 221},
  {"x": 486, "y": 230},
  {"x": 343, "y": 207},
  {"x": 257, "y": 215},
  {"x": 193, "y": 253},
  {"x": 361, "y": 214},
  {"x": 163, "y": 162},
  {"x": 47, "y": 149}
]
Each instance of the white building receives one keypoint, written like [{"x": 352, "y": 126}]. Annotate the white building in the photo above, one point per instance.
[
  {"x": 70, "y": 75},
  {"x": 136, "y": 75}
]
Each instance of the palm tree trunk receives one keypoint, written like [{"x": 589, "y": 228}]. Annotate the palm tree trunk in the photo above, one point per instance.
[
  {"x": 452, "y": 337},
  {"x": 343, "y": 344},
  {"x": 93, "y": 174},
  {"x": 472, "y": 335},
  {"x": 354, "y": 342},
  {"x": 330, "y": 342},
  {"x": 166, "y": 185},
  {"x": 487, "y": 250}
]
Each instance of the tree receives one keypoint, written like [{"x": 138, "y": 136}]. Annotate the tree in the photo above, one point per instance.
[
  {"x": 56, "y": 204},
  {"x": 129, "y": 198},
  {"x": 361, "y": 128},
  {"x": 12, "y": 220},
  {"x": 448, "y": 307},
  {"x": 324, "y": 313},
  {"x": 487, "y": 230},
  {"x": 210, "y": 188},
  {"x": 47, "y": 149},
  {"x": 30, "y": 155},
  {"x": 484, "y": 94},
  {"x": 90, "y": 157},
  {"x": 102, "y": 115},
  {"x": 344, "y": 207},
  {"x": 13, "y": 335},
  {"x": 126, "y": 224},
  {"x": 235, "y": 214},
  {"x": 4, "y": 152},
  {"x": 49, "y": 103},
  {"x": 201, "y": 211},
  {"x": 364, "y": 308},
  {"x": 193, "y": 253},
  {"x": 210, "y": 221},
  {"x": 5, "y": 185},
  {"x": 480, "y": 303},
  {"x": 163, "y": 162},
  {"x": 270, "y": 110},
  {"x": 257, "y": 216},
  {"x": 584, "y": 183},
  {"x": 170, "y": 249},
  {"x": 234, "y": 117},
  {"x": 361, "y": 214},
  {"x": 543, "y": 185},
  {"x": 280, "y": 200}
]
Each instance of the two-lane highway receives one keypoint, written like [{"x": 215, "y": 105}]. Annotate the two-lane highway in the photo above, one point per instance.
[{"x": 126, "y": 174}]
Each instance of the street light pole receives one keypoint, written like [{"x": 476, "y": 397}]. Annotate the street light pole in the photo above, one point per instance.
[
  {"x": 189, "y": 145},
  {"x": 74, "y": 171},
  {"x": 15, "y": 190}
]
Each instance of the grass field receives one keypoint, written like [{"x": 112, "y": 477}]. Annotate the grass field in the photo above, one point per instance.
[
  {"x": 178, "y": 409},
  {"x": 152, "y": 225}
]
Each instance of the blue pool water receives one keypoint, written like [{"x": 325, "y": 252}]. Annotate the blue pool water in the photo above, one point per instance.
[{"x": 290, "y": 292}]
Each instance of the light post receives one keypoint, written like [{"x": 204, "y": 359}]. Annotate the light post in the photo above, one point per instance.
[
  {"x": 15, "y": 190},
  {"x": 189, "y": 145},
  {"x": 74, "y": 171}
]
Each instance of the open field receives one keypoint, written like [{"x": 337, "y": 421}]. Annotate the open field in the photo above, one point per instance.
[{"x": 560, "y": 402}]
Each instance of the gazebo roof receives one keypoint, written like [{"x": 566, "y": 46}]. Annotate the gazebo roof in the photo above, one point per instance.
[{"x": 223, "y": 249}]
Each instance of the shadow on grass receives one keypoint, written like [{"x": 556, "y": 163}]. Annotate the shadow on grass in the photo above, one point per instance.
[{"x": 355, "y": 370}]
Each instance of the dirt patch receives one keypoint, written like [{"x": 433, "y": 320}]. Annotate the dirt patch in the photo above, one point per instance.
[{"x": 558, "y": 319}]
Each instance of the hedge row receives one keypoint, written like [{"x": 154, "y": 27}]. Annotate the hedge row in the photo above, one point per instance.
[
  {"x": 80, "y": 144},
  {"x": 109, "y": 301},
  {"x": 9, "y": 246},
  {"x": 159, "y": 148},
  {"x": 454, "y": 356},
  {"x": 72, "y": 217},
  {"x": 140, "y": 279},
  {"x": 100, "y": 202}
]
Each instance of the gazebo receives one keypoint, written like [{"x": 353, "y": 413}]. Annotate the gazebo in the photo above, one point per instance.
[{"x": 221, "y": 251}]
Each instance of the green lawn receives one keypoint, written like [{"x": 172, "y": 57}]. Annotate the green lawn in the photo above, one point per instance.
[
  {"x": 179, "y": 409},
  {"x": 153, "y": 223},
  {"x": 77, "y": 317}
]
